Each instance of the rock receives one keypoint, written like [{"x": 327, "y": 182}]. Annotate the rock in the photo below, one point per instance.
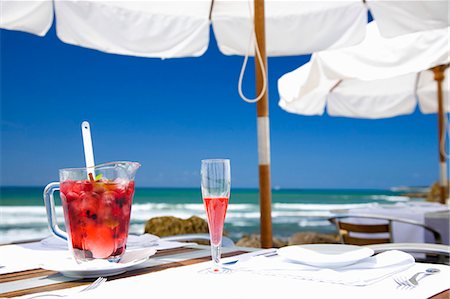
[
  {"x": 296, "y": 239},
  {"x": 435, "y": 193},
  {"x": 169, "y": 226},
  {"x": 255, "y": 241},
  {"x": 415, "y": 195},
  {"x": 312, "y": 238}
]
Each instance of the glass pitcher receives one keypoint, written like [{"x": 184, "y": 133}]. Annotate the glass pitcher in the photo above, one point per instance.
[{"x": 97, "y": 205}]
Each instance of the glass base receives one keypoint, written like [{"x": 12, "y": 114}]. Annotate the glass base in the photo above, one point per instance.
[
  {"x": 215, "y": 271},
  {"x": 83, "y": 256},
  {"x": 114, "y": 259}
]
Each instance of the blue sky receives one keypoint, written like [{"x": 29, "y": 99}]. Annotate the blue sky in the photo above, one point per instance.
[{"x": 170, "y": 114}]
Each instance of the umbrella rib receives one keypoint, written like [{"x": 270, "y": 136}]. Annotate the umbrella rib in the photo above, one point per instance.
[
  {"x": 335, "y": 85},
  {"x": 416, "y": 84},
  {"x": 211, "y": 9}
]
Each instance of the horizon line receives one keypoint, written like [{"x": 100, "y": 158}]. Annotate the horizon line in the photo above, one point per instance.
[{"x": 276, "y": 188}]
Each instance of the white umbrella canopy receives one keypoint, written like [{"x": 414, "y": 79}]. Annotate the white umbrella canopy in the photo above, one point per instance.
[
  {"x": 355, "y": 98},
  {"x": 379, "y": 78},
  {"x": 180, "y": 28}
]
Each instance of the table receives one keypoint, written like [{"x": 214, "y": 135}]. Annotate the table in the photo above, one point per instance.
[
  {"x": 39, "y": 280},
  {"x": 407, "y": 233},
  {"x": 174, "y": 273},
  {"x": 441, "y": 222}
]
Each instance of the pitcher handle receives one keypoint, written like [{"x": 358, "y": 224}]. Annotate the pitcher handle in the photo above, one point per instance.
[{"x": 50, "y": 209}]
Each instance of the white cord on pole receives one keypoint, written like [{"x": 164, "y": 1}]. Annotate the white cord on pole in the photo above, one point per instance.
[{"x": 244, "y": 65}]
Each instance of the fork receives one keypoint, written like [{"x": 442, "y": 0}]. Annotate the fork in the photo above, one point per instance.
[
  {"x": 412, "y": 282},
  {"x": 98, "y": 282}
]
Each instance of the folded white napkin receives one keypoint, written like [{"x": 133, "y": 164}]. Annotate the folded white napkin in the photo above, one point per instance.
[
  {"x": 134, "y": 241},
  {"x": 364, "y": 272}
]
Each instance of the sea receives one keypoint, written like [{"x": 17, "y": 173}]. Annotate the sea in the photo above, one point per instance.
[{"x": 23, "y": 216}]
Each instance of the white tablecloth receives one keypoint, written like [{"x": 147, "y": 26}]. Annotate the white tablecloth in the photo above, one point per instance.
[
  {"x": 188, "y": 282},
  {"x": 407, "y": 233},
  {"x": 194, "y": 282}
]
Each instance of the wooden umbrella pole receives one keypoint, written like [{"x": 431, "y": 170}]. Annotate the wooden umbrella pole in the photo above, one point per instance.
[
  {"x": 443, "y": 182},
  {"x": 262, "y": 108}
]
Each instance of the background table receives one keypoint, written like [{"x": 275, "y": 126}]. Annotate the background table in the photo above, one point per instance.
[
  {"x": 441, "y": 222},
  {"x": 407, "y": 233}
]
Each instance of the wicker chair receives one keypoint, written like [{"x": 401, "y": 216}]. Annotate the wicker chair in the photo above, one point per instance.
[{"x": 359, "y": 233}]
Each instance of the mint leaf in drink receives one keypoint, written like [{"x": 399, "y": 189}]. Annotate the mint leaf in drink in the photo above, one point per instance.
[{"x": 98, "y": 176}]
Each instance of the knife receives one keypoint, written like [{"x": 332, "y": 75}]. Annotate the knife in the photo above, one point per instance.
[{"x": 246, "y": 256}]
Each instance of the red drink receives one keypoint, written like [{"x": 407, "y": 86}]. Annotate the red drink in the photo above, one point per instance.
[
  {"x": 97, "y": 215},
  {"x": 216, "y": 209}
]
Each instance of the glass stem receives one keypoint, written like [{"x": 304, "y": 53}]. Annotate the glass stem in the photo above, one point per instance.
[{"x": 215, "y": 255}]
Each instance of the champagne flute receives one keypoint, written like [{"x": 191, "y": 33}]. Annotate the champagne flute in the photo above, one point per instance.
[{"x": 216, "y": 182}]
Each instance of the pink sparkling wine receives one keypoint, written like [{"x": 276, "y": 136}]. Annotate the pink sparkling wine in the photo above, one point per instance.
[{"x": 216, "y": 209}]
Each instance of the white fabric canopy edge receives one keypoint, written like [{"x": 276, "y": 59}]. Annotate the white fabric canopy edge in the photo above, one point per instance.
[
  {"x": 143, "y": 31},
  {"x": 31, "y": 16},
  {"x": 180, "y": 28},
  {"x": 378, "y": 57},
  {"x": 354, "y": 98}
]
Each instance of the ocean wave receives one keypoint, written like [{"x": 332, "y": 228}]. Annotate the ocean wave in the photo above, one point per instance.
[
  {"x": 35, "y": 216},
  {"x": 166, "y": 206},
  {"x": 319, "y": 207},
  {"x": 313, "y": 223},
  {"x": 29, "y": 215},
  {"x": 190, "y": 206},
  {"x": 12, "y": 235},
  {"x": 241, "y": 223},
  {"x": 243, "y": 215},
  {"x": 26, "y": 219},
  {"x": 390, "y": 198},
  {"x": 175, "y": 213},
  {"x": 24, "y": 209}
]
